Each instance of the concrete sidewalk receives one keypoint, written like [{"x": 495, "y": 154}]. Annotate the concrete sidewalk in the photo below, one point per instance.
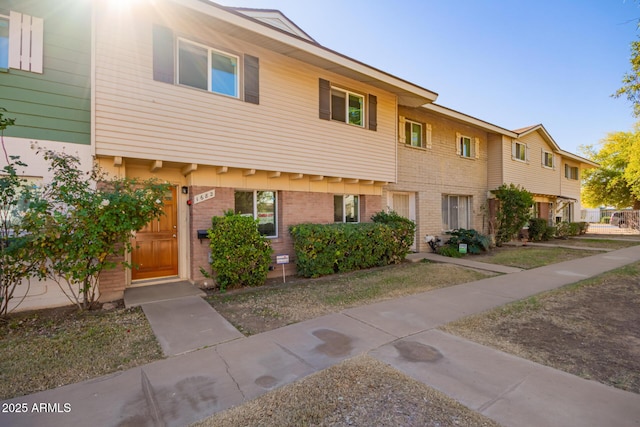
[{"x": 513, "y": 391}]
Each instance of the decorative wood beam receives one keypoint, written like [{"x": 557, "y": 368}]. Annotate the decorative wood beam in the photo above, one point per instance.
[
  {"x": 334, "y": 179},
  {"x": 274, "y": 174},
  {"x": 296, "y": 176},
  {"x": 156, "y": 165},
  {"x": 222, "y": 169},
  {"x": 367, "y": 182},
  {"x": 249, "y": 172},
  {"x": 189, "y": 168},
  {"x": 117, "y": 161},
  {"x": 351, "y": 181},
  {"x": 316, "y": 178}
]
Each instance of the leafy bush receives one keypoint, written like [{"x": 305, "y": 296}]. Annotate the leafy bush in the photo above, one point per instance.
[
  {"x": 323, "y": 249},
  {"x": 405, "y": 229},
  {"x": 549, "y": 233},
  {"x": 240, "y": 256},
  {"x": 584, "y": 226},
  {"x": 513, "y": 211},
  {"x": 78, "y": 226},
  {"x": 567, "y": 229},
  {"x": 538, "y": 229},
  {"x": 475, "y": 241},
  {"x": 449, "y": 251}
]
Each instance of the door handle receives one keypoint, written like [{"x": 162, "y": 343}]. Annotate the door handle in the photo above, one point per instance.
[{"x": 174, "y": 236}]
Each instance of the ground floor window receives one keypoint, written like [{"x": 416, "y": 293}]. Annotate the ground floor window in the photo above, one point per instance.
[
  {"x": 260, "y": 205},
  {"x": 346, "y": 208},
  {"x": 456, "y": 212},
  {"x": 567, "y": 212}
]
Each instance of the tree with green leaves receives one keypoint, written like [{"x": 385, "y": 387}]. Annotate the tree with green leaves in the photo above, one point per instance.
[
  {"x": 514, "y": 211},
  {"x": 617, "y": 181},
  {"x": 17, "y": 261},
  {"x": 83, "y": 223},
  {"x": 631, "y": 80}
]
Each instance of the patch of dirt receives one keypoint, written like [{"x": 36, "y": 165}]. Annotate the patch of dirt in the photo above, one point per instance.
[
  {"x": 592, "y": 330},
  {"x": 361, "y": 392}
]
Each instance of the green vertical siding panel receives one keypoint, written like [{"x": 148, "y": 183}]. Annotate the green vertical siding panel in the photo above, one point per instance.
[{"x": 54, "y": 105}]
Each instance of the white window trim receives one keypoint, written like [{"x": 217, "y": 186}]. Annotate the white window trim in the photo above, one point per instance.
[
  {"x": 553, "y": 159},
  {"x": 422, "y": 138},
  {"x": 255, "y": 209},
  {"x": 567, "y": 172},
  {"x": 474, "y": 146},
  {"x": 209, "y": 50},
  {"x": 469, "y": 201},
  {"x": 344, "y": 209},
  {"x": 346, "y": 106},
  {"x": 513, "y": 152}
]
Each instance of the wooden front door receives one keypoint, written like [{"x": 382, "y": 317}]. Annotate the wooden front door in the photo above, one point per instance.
[{"x": 155, "y": 247}]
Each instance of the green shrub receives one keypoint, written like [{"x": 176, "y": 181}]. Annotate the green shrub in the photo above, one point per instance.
[
  {"x": 323, "y": 249},
  {"x": 513, "y": 211},
  {"x": 584, "y": 226},
  {"x": 449, "y": 251},
  {"x": 605, "y": 220},
  {"x": 240, "y": 256},
  {"x": 475, "y": 241},
  {"x": 538, "y": 229},
  {"x": 549, "y": 233},
  {"x": 566, "y": 229}
]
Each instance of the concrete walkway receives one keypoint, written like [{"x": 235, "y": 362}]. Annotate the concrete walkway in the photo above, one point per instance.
[{"x": 402, "y": 332}]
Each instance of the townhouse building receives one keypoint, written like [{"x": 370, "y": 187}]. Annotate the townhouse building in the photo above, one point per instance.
[{"x": 239, "y": 109}]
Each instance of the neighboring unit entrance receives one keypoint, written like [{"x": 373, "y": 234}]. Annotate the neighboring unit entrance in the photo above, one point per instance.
[
  {"x": 155, "y": 247},
  {"x": 404, "y": 204}
]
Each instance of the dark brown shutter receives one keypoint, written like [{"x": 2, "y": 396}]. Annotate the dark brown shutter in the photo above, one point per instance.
[
  {"x": 251, "y": 79},
  {"x": 373, "y": 112},
  {"x": 163, "y": 50},
  {"x": 325, "y": 99}
]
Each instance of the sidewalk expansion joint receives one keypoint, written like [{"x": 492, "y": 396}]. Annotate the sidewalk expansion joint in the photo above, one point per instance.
[
  {"x": 226, "y": 366},
  {"x": 297, "y": 357},
  {"x": 150, "y": 397},
  {"x": 493, "y": 401}
]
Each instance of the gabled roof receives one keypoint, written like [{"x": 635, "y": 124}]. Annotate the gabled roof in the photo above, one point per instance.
[
  {"x": 556, "y": 148},
  {"x": 275, "y": 18},
  {"x": 290, "y": 43}
]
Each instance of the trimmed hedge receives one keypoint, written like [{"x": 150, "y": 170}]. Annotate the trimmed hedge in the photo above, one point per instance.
[
  {"x": 240, "y": 256},
  {"x": 323, "y": 249}
]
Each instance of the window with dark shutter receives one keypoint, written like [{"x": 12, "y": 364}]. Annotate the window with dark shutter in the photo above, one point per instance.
[
  {"x": 163, "y": 60},
  {"x": 325, "y": 99},
  {"x": 373, "y": 112},
  {"x": 251, "y": 79}
]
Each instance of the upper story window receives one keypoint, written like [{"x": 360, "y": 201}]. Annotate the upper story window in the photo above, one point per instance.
[
  {"x": 260, "y": 205},
  {"x": 571, "y": 172},
  {"x": 519, "y": 151},
  {"x": 467, "y": 147},
  {"x": 4, "y": 42},
  {"x": 346, "y": 208},
  {"x": 547, "y": 159},
  {"x": 347, "y": 107},
  {"x": 205, "y": 68},
  {"x": 413, "y": 133}
]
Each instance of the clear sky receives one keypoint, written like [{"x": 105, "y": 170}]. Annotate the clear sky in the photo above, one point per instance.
[{"x": 513, "y": 63}]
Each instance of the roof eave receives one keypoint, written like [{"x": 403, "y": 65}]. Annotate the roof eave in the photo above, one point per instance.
[{"x": 299, "y": 48}]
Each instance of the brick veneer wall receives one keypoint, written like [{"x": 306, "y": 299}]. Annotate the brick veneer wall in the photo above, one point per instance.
[{"x": 293, "y": 207}]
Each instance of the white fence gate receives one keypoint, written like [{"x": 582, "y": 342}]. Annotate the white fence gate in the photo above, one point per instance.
[{"x": 613, "y": 222}]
